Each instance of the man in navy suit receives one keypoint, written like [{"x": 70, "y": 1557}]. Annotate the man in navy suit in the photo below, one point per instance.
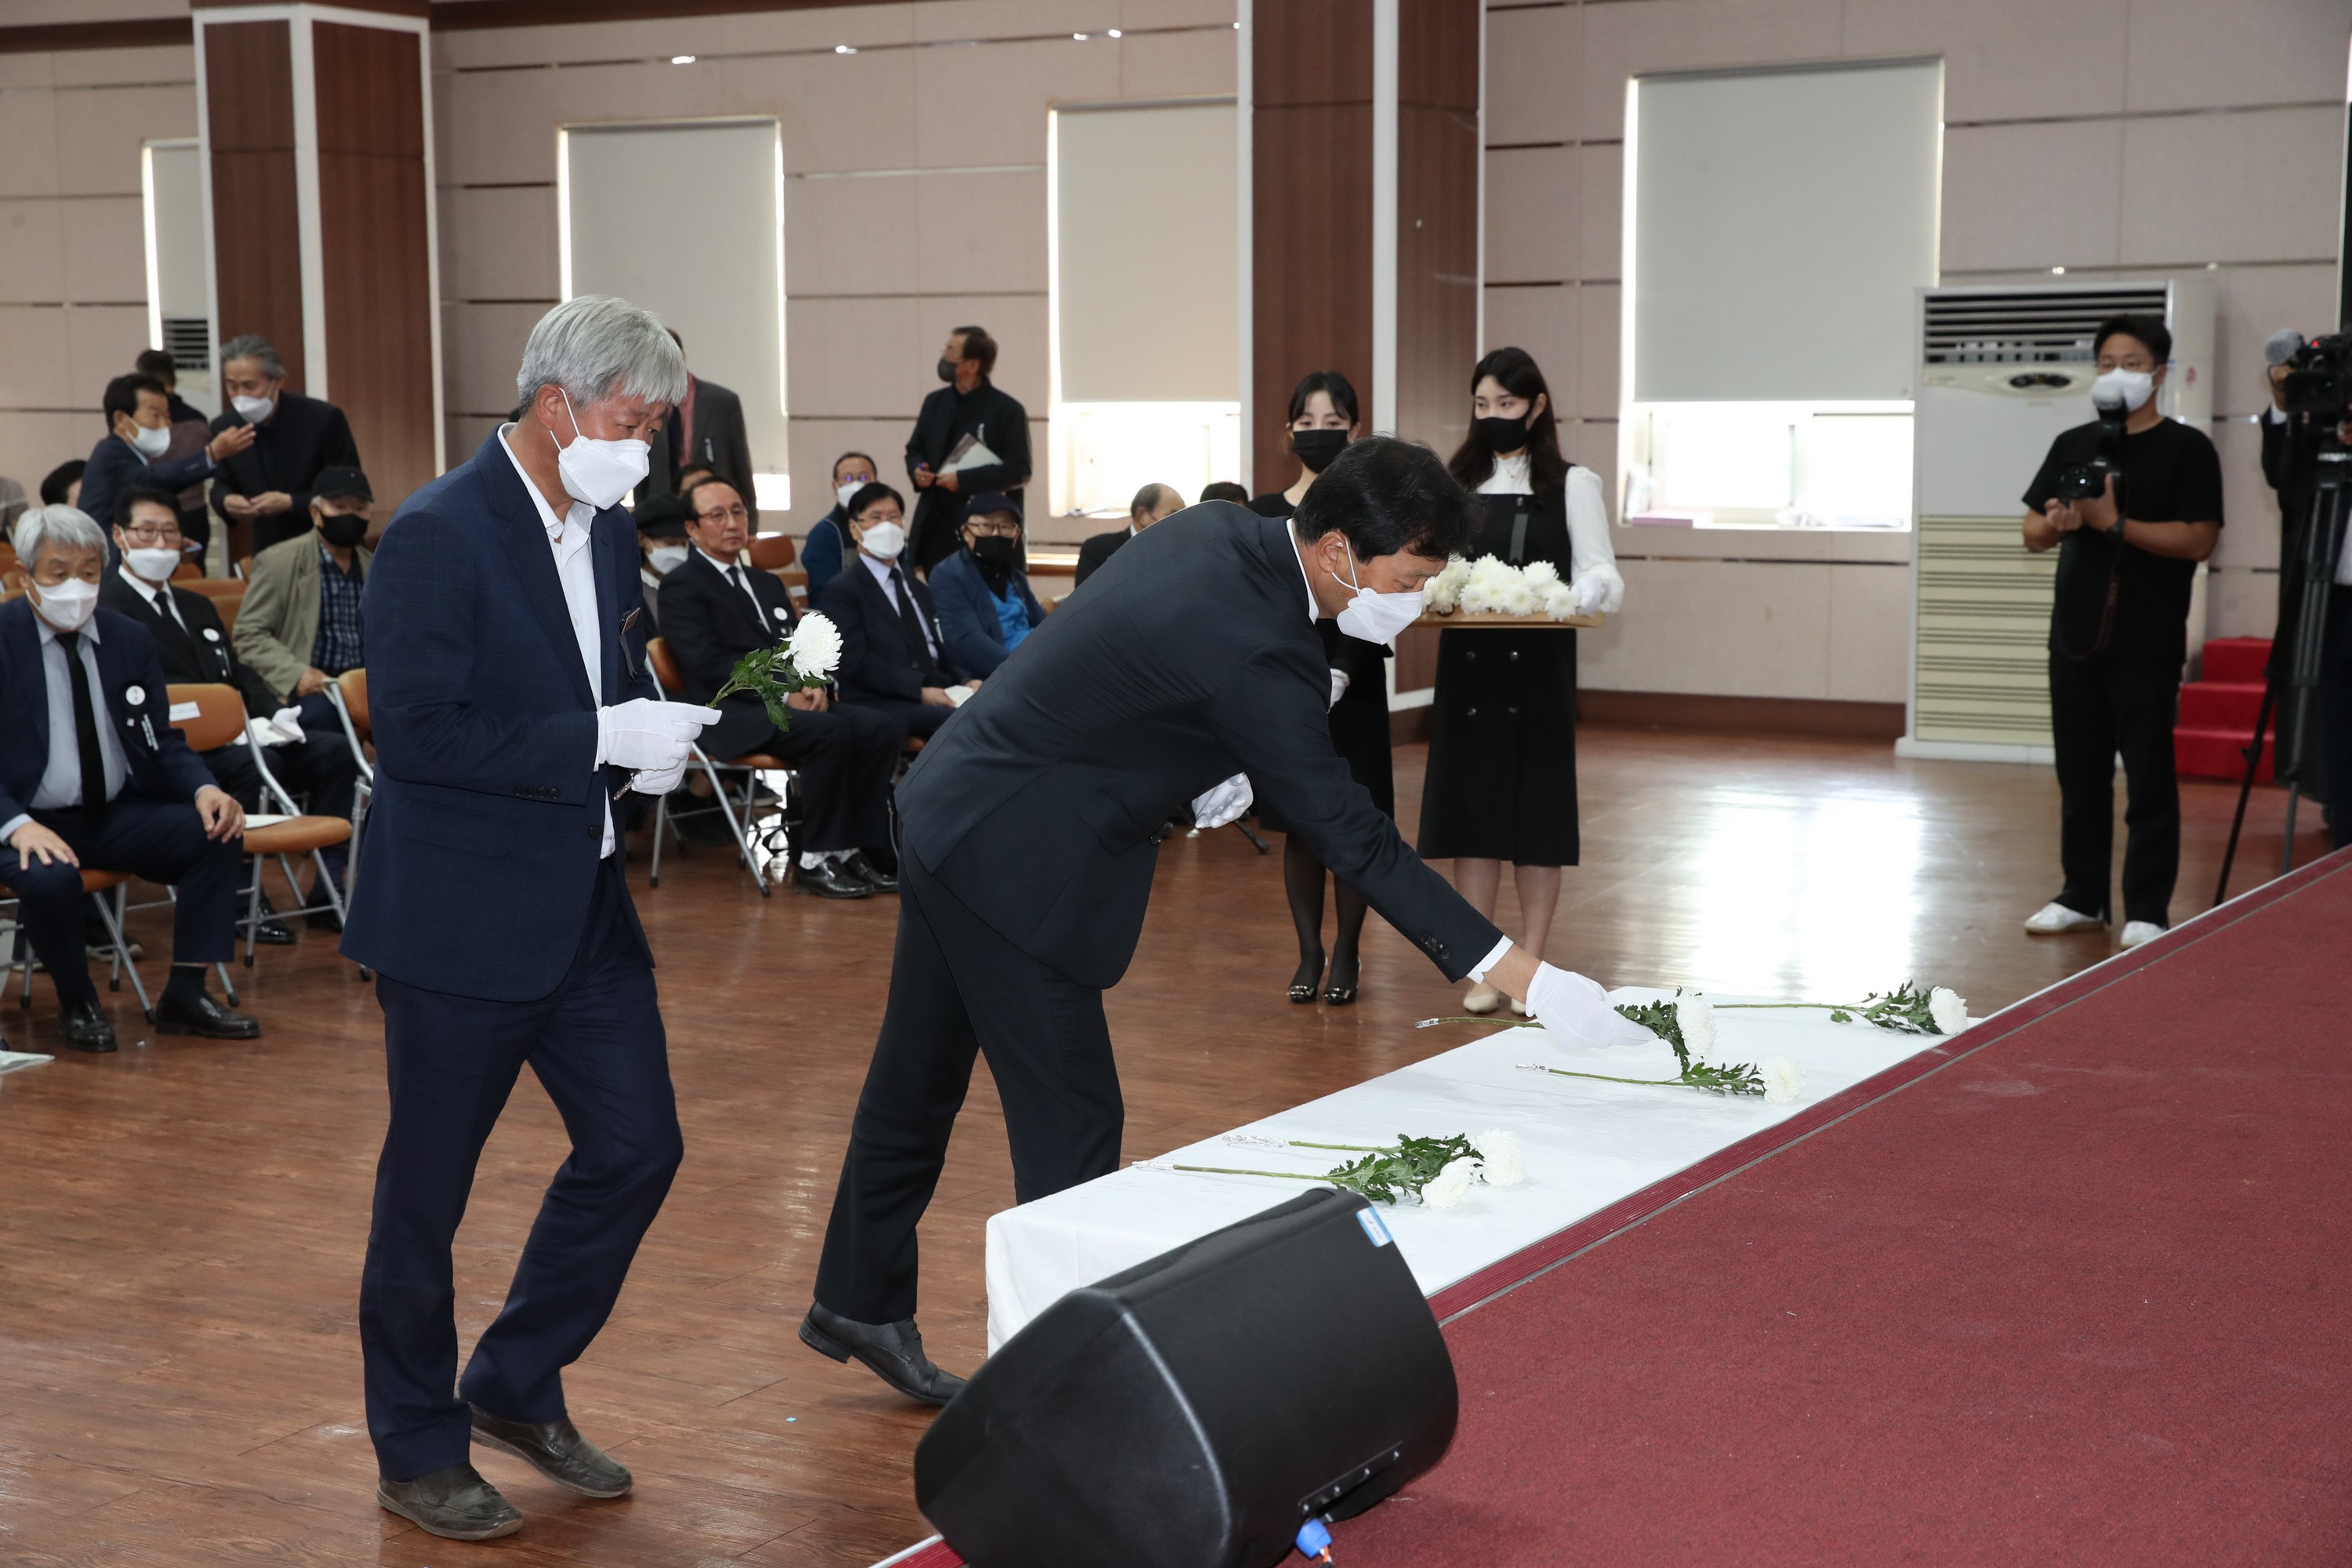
[
  {"x": 138, "y": 411},
  {"x": 82, "y": 698},
  {"x": 893, "y": 654},
  {"x": 511, "y": 702}
]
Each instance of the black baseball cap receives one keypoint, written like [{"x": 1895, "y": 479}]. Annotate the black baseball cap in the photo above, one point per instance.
[
  {"x": 336, "y": 483},
  {"x": 991, "y": 501},
  {"x": 663, "y": 517}
]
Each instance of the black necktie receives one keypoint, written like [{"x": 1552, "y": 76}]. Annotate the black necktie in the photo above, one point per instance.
[
  {"x": 910, "y": 623},
  {"x": 743, "y": 586},
  {"x": 93, "y": 760}
]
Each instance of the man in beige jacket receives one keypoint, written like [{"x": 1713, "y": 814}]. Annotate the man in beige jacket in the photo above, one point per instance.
[{"x": 299, "y": 626}]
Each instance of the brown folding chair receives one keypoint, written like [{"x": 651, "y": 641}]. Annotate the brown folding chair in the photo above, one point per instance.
[
  {"x": 96, "y": 886},
  {"x": 218, "y": 718},
  {"x": 746, "y": 768},
  {"x": 773, "y": 551}
]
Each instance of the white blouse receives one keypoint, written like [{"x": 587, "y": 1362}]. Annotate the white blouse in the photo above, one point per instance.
[{"x": 1591, "y": 556}]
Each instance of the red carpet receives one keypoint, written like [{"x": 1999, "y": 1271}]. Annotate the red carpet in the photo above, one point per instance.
[{"x": 2217, "y": 712}]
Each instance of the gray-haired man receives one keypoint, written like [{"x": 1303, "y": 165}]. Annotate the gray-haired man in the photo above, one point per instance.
[
  {"x": 511, "y": 704},
  {"x": 264, "y": 491}
]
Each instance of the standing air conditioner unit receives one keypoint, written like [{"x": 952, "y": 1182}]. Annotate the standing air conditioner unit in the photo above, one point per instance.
[{"x": 2002, "y": 370}]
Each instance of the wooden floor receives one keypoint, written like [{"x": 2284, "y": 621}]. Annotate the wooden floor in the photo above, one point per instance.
[{"x": 181, "y": 1225}]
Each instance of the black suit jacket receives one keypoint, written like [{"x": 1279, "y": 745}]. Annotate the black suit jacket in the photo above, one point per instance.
[
  {"x": 290, "y": 447},
  {"x": 1097, "y": 549},
  {"x": 200, "y": 655},
  {"x": 994, "y": 418},
  {"x": 1191, "y": 656},
  {"x": 716, "y": 442},
  {"x": 131, "y": 681},
  {"x": 877, "y": 664},
  {"x": 709, "y": 625}
]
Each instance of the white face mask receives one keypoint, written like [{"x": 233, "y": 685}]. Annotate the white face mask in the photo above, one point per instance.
[
  {"x": 67, "y": 606},
  {"x": 666, "y": 559},
  {"x": 883, "y": 541},
  {"x": 152, "y": 566},
  {"x": 843, "y": 491},
  {"x": 255, "y": 409},
  {"x": 2130, "y": 387},
  {"x": 597, "y": 471},
  {"x": 152, "y": 443},
  {"x": 1377, "y": 618}
]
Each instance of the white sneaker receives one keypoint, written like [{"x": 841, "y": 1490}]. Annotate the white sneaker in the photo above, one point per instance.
[
  {"x": 2056, "y": 917},
  {"x": 2137, "y": 931}
]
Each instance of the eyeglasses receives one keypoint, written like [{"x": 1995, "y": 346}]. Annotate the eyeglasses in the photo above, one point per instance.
[
  {"x": 152, "y": 533},
  {"x": 995, "y": 529},
  {"x": 732, "y": 514}
]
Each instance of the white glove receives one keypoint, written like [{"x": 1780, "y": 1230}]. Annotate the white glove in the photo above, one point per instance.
[
  {"x": 644, "y": 733},
  {"x": 1228, "y": 802},
  {"x": 658, "y": 781},
  {"x": 1591, "y": 594},
  {"x": 288, "y": 722},
  {"x": 1575, "y": 1011},
  {"x": 1338, "y": 686}
]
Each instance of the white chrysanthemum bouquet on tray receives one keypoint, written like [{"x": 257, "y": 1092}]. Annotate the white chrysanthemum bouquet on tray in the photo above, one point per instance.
[{"x": 1490, "y": 588}]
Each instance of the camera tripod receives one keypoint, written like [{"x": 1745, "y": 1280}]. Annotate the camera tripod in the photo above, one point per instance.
[{"x": 2304, "y": 628}]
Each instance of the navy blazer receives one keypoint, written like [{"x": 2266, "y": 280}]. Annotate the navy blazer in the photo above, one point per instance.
[
  {"x": 487, "y": 820},
  {"x": 876, "y": 663},
  {"x": 968, "y": 613},
  {"x": 161, "y": 765},
  {"x": 114, "y": 466}
]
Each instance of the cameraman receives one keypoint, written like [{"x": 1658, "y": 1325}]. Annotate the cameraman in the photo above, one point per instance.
[{"x": 2131, "y": 511}]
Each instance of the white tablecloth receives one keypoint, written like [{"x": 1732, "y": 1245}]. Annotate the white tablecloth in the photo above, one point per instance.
[{"x": 1588, "y": 1144}]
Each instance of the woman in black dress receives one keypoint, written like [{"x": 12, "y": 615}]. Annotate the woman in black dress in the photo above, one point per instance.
[
  {"x": 1501, "y": 784},
  {"x": 1323, "y": 419}
]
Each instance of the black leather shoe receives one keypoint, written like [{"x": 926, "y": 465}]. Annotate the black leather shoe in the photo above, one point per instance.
[
  {"x": 85, "y": 1027},
  {"x": 453, "y": 1503},
  {"x": 202, "y": 1016},
  {"x": 831, "y": 880},
  {"x": 323, "y": 919},
  {"x": 269, "y": 932},
  {"x": 892, "y": 1352},
  {"x": 868, "y": 872},
  {"x": 556, "y": 1450}
]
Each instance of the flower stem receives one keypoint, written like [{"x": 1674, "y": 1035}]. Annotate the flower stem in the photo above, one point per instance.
[
  {"x": 1506, "y": 1023},
  {"x": 1604, "y": 1077},
  {"x": 1357, "y": 1148},
  {"x": 1237, "y": 1171}
]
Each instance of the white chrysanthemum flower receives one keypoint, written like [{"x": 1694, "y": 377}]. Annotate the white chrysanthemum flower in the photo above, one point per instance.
[
  {"x": 1447, "y": 1189},
  {"x": 816, "y": 646},
  {"x": 1501, "y": 1162},
  {"x": 1560, "y": 601},
  {"x": 1483, "y": 589},
  {"x": 1519, "y": 597},
  {"x": 1952, "y": 1014},
  {"x": 1695, "y": 1017},
  {"x": 1443, "y": 594},
  {"x": 1783, "y": 1081},
  {"x": 1539, "y": 572}
]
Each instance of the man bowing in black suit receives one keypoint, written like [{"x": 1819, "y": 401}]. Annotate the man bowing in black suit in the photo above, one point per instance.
[{"x": 1030, "y": 829}]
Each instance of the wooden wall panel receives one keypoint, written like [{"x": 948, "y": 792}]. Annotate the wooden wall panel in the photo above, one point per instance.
[
  {"x": 256, "y": 256},
  {"x": 1437, "y": 218},
  {"x": 375, "y": 274}
]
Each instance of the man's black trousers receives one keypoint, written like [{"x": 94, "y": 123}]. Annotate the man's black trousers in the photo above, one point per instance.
[
  {"x": 2099, "y": 707},
  {"x": 152, "y": 839},
  {"x": 956, "y": 987},
  {"x": 596, "y": 1044},
  {"x": 845, "y": 757}
]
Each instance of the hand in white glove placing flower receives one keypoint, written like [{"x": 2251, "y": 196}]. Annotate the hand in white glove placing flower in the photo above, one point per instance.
[
  {"x": 1575, "y": 1011},
  {"x": 1227, "y": 802}
]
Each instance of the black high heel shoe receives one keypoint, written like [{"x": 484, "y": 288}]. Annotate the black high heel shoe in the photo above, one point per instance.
[
  {"x": 1336, "y": 993},
  {"x": 1302, "y": 985}
]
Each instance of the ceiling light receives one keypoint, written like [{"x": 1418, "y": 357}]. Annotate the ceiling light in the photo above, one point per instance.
[
  {"x": 1114, "y": 32},
  {"x": 1081, "y": 38},
  {"x": 681, "y": 59},
  {"x": 2058, "y": 272},
  {"x": 842, "y": 49}
]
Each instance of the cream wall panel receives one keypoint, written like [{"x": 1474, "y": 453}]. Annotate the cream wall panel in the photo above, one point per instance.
[
  {"x": 100, "y": 131},
  {"x": 2198, "y": 54},
  {"x": 2241, "y": 603},
  {"x": 979, "y": 234},
  {"x": 101, "y": 342},
  {"x": 856, "y": 236},
  {"x": 647, "y": 40},
  {"x": 955, "y": 19},
  {"x": 1196, "y": 64},
  {"x": 2031, "y": 195},
  {"x": 33, "y": 444},
  {"x": 502, "y": 124},
  {"x": 19, "y": 72},
  {"x": 1532, "y": 64},
  {"x": 481, "y": 348},
  {"x": 1018, "y": 325},
  {"x": 498, "y": 244},
  {"x": 1626, "y": 41},
  {"x": 1017, "y": 81},
  {"x": 1601, "y": 201},
  {"x": 855, "y": 357},
  {"x": 1593, "y": 444},
  {"x": 838, "y": 111},
  {"x": 1531, "y": 212},
  {"x": 856, "y": 25},
  {"x": 1176, "y": 13},
  {"x": 2251, "y": 303},
  {"x": 32, "y": 350},
  {"x": 1869, "y": 632},
  {"x": 28, "y": 130},
  {"x": 104, "y": 240},
  {"x": 92, "y": 67},
  {"x": 2223, "y": 187},
  {"x": 1599, "y": 309},
  {"x": 2250, "y": 514},
  {"x": 32, "y": 252},
  {"x": 2003, "y": 59},
  {"x": 1543, "y": 323},
  {"x": 1733, "y": 629}
]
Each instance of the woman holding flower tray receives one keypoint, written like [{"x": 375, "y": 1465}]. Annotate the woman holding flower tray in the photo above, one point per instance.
[{"x": 1501, "y": 784}]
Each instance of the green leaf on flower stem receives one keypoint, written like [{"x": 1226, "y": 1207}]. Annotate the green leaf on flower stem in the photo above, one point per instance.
[
  {"x": 1841, "y": 1017},
  {"x": 1385, "y": 1176},
  {"x": 1741, "y": 1079},
  {"x": 770, "y": 672},
  {"x": 1659, "y": 1018}
]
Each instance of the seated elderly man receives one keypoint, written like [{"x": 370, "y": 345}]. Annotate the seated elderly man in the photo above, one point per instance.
[
  {"x": 1151, "y": 503},
  {"x": 92, "y": 774},
  {"x": 985, "y": 604},
  {"x": 715, "y": 608}
]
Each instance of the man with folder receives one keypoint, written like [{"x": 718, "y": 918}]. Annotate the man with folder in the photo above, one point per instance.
[{"x": 969, "y": 438}]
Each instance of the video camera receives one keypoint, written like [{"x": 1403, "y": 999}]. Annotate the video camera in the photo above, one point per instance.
[
  {"x": 2319, "y": 377},
  {"x": 2085, "y": 481}
]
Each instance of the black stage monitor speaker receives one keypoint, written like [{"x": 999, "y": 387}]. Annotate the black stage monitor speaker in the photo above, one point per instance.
[{"x": 1197, "y": 1410}]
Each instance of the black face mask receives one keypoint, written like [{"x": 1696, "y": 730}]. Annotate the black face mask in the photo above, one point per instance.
[
  {"x": 995, "y": 555},
  {"x": 343, "y": 530},
  {"x": 947, "y": 368},
  {"x": 1501, "y": 434},
  {"x": 1317, "y": 448}
]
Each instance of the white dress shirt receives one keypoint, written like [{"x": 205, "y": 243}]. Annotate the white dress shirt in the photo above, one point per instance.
[
  {"x": 568, "y": 536},
  {"x": 882, "y": 569},
  {"x": 1590, "y": 553},
  {"x": 61, "y": 784},
  {"x": 735, "y": 574}
]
